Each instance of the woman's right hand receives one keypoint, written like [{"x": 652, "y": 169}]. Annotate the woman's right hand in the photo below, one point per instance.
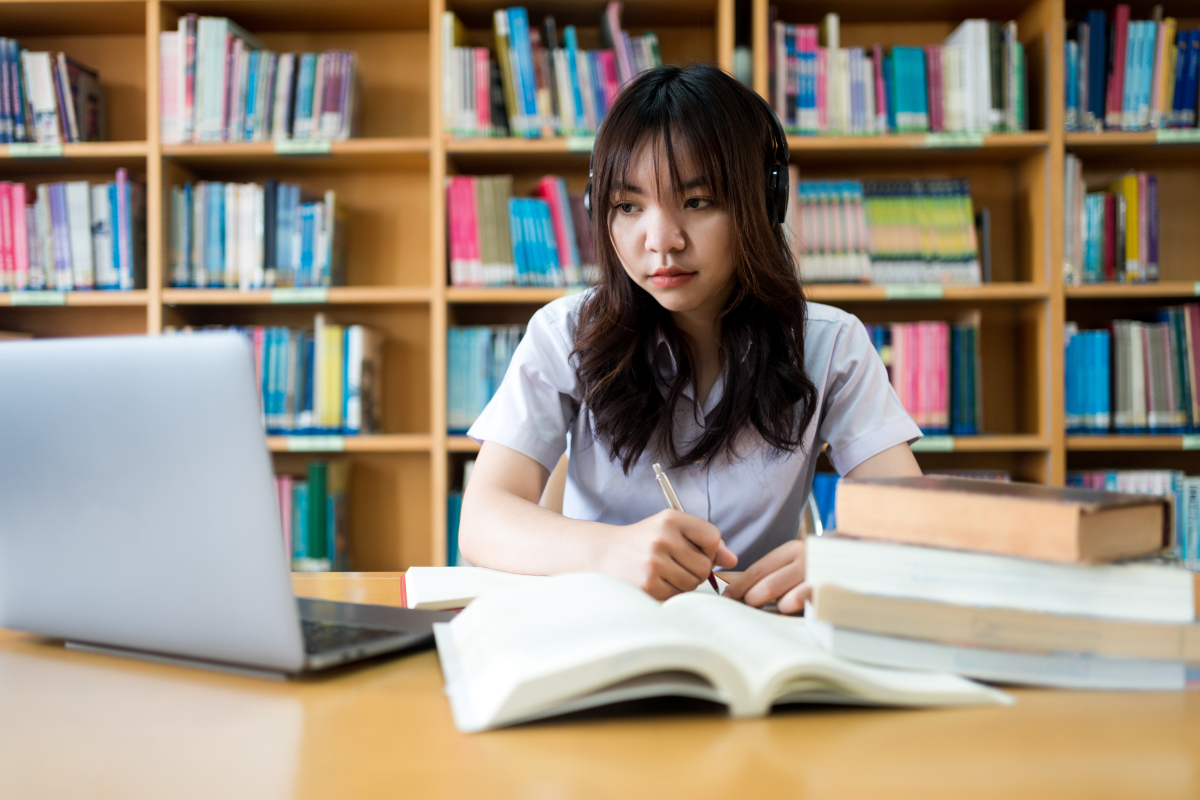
[{"x": 666, "y": 554}]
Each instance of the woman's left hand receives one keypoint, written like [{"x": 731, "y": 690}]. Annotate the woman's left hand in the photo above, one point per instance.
[{"x": 777, "y": 576}]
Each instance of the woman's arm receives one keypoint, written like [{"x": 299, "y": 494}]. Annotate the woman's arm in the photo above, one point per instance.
[
  {"x": 503, "y": 527},
  {"x": 779, "y": 575}
]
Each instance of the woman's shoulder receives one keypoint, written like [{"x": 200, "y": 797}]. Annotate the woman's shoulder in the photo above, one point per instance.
[
  {"x": 828, "y": 321},
  {"x": 557, "y": 319}
]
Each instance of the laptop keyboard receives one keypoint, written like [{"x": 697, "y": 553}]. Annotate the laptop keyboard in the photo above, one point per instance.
[{"x": 323, "y": 637}]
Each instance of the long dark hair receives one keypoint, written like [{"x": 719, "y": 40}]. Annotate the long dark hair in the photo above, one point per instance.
[{"x": 707, "y": 114}]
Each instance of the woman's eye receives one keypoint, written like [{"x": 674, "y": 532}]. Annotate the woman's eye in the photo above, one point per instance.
[
  {"x": 626, "y": 208},
  {"x": 697, "y": 202}
]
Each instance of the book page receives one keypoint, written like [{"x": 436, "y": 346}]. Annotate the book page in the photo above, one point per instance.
[
  {"x": 437, "y": 588},
  {"x": 780, "y": 659},
  {"x": 526, "y": 651}
]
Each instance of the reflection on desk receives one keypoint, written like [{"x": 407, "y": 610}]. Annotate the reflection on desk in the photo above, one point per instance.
[{"x": 83, "y": 724}]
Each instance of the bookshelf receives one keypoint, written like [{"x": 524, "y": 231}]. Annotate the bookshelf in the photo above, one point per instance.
[{"x": 391, "y": 179}]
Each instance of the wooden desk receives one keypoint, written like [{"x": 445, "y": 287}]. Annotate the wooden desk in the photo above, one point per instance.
[{"x": 82, "y": 725}]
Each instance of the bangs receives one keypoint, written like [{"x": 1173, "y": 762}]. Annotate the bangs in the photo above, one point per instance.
[{"x": 676, "y": 127}]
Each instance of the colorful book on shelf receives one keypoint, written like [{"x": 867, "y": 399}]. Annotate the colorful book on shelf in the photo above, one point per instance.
[
  {"x": 315, "y": 516},
  {"x": 478, "y": 357},
  {"x": 1183, "y": 489},
  {"x": 74, "y": 236}
]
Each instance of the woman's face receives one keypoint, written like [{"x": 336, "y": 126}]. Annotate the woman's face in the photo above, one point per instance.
[{"x": 678, "y": 247}]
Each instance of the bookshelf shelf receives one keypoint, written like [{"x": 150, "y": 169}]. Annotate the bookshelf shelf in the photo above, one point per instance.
[
  {"x": 522, "y": 295},
  {"x": 1121, "y": 291},
  {"x": 373, "y": 153},
  {"x": 83, "y": 150},
  {"x": 993, "y": 147},
  {"x": 461, "y": 444},
  {"x": 1128, "y": 442},
  {"x": 1141, "y": 145},
  {"x": 92, "y": 299},
  {"x": 1001, "y": 443},
  {"x": 337, "y": 295},
  {"x": 375, "y": 443},
  {"x": 988, "y": 292}
]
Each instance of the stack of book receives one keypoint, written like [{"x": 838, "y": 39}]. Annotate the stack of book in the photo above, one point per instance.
[
  {"x": 73, "y": 236},
  {"x": 1015, "y": 583},
  {"x": 887, "y": 231},
  {"x": 1154, "y": 367},
  {"x": 500, "y": 240},
  {"x": 219, "y": 83},
  {"x": 937, "y": 372},
  {"x": 1184, "y": 490},
  {"x": 531, "y": 86},
  {"x": 314, "y": 515},
  {"x": 973, "y": 83},
  {"x": 454, "y": 556},
  {"x": 324, "y": 381},
  {"x": 1112, "y": 235},
  {"x": 478, "y": 357},
  {"x": 48, "y": 97},
  {"x": 251, "y": 236},
  {"x": 1125, "y": 74}
]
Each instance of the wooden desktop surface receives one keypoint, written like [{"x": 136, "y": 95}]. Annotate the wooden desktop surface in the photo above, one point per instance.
[{"x": 84, "y": 725}]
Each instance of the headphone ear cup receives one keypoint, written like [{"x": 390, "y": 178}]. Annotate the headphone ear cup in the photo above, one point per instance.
[{"x": 587, "y": 198}]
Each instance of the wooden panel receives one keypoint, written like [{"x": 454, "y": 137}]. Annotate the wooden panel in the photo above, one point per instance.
[
  {"x": 406, "y": 359},
  {"x": 1021, "y": 466},
  {"x": 121, "y": 61},
  {"x": 313, "y": 15},
  {"x": 372, "y": 588},
  {"x": 74, "y": 321},
  {"x": 389, "y": 509},
  {"x": 27, "y": 20}
]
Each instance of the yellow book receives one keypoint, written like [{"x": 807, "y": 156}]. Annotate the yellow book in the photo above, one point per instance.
[
  {"x": 1166, "y": 85},
  {"x": 1127, "y": 186},
  {"x": 333, "y": 376},
  {"x": 318, "y": 372},
  {"x": 507, "y": 78}
]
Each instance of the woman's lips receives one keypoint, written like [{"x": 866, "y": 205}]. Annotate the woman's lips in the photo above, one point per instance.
[{"x": 671, "y": 279}]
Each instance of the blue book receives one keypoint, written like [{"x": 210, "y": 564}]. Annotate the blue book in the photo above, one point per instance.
[
  {"x": 1098, "y": 41},
  {"x": 889, "y": 87},
  {"x": 807, "y": 99},
  {"x": 1072, "y": 89},
  {"x": 1131, "y": 64},
  {"x": 916, "y": 85},
  {"x": 534, "y": 247},
  {"x": 553, "y": 266},
  {"x": 1181, "y": 57},
  {"x": 453, "y": 514},
  {"x": 1103, "y": 380},
  {"x": 1146, "y": 72},
  {"x": 305, "y": 79},
  {"x": 572, "y": 42},
  {"x": 1071, "y": 384},
  {"x": 516, "y": 232},
  {"x": 1193, "y": 68},
  {"x": 518, "y": 26},
  {"x": 597, "y": 89},
  {"x": 305, "y": 276},
  {"x": 300, "y": 520},
  {"x": 251, "y": 94}
]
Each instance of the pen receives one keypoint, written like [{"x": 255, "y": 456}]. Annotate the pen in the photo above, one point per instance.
[{"x": 672, "y": 501}]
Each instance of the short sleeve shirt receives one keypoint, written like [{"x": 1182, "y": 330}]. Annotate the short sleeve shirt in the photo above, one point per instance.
[{"x": 756, "y": 499}]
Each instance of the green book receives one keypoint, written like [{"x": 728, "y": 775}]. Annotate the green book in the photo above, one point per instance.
[{"x": 316, "y": 545}]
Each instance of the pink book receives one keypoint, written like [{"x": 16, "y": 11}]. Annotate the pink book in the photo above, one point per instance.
[
  {"x": 822, "y": 89},
  {"x": 7, "y": 271},
  {"x": 471, "y": 250},
  {"x": 917, "y": 367},
  {"x": 483, "y": 101},
  {"x": 933, "y": 80},
  {"x": 453, "y": 224},
  {"x": 943, "y": 375},
  {"x": 1114, "y": 104},
  {"x": 547, "y": 189},
  {"x": 897, "y": 371},
  {"x": 20, "y": 237},
  {"x": 612, "y": 84},
  {"x": 880, "y": 90},
  {"x": 257, "y": 337},
  {"x": 283, "y": 484}
]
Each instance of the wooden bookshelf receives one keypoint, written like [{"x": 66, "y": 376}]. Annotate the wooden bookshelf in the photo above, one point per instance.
[{"x": 391, "y": 180}]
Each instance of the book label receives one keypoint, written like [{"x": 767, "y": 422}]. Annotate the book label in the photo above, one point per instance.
[
  {"x": 1196, "y": 288},
  {"x": 316, "y": 444},
  {"x": 933, "y": 444},
  {"x": 39, "y": 298},
  {"x": 303, "y": 147},
  {"x": 306, "y": 295},
  {"x": 1190, "y": 442},
  {"x": 914, "y": 291},
  {"x": 959, "y": 139},
  {"x": 1177, "y": 136},
  {"x": 35, "y": 150},
  {"x": 580, "y": 144}
]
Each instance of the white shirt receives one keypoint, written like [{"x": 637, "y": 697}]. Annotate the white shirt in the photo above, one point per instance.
[{"x": 755, "y": 500}]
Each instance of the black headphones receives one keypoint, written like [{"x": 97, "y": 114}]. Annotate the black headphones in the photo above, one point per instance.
[{"x": 777, "y": 174}]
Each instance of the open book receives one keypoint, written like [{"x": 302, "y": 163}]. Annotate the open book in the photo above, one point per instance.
[{"x": 582, "y": 640}]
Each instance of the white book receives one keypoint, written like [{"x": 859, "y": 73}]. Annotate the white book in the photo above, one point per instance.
[
  {"x": 79, "y": 229},
  {"x": 584, "y": 640},
  {"x": 319, "y": 369},
  {"x": 247, "y": 268},
  {"x": 37, "y": 254},
  {"x": 170, "y": 62},
  {"x": 349, "y": 118},
  {"x": 43, "y": 103},
  {"x": 54, "y": 280},
  {"x": 1061, "y": 670},
  {"x": 438, "y": 588},
  {"x": 1136, "y": 590},
  {"x": 186, "y": 108},
  {"x": 318, "y": 101},
  {"x": 258, "y": 221},
  {"x": 231, "y": 280}
]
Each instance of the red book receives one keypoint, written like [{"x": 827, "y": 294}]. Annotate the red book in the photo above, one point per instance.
[
  {"x": 1192, "y": 326},
  {"x": 483, "y": 102},
  {"x": 1116, "y": 76},
  {"x": 470, "y": 232},
  {"x": 454, "y": 223},
  {"x": 933, "y": 86},
  {"x": 880, "y": 90},
  {"x": 7, "y": 272}
]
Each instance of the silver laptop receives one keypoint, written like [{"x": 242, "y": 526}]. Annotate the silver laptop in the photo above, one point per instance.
[{"x": 138, "y": 511}]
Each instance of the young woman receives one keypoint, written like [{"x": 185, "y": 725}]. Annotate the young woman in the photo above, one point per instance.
[{"x": 696, "y": 350}]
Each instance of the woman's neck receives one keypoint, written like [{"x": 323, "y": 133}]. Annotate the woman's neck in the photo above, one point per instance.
[{"x": 703, "y": 332}]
